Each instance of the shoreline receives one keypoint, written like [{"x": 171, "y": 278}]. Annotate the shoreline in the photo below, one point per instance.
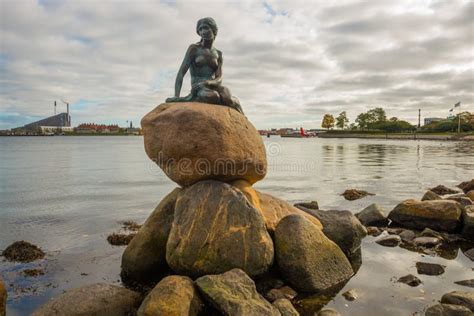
[{"x": 399, "y": 136}]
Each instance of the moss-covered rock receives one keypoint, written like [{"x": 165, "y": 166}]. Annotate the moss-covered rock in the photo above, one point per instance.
[
  {"x": 307, "y": 259},
  {"x": 234, "y": 293},
  {"x": 145, "y": 255},
  {"x": 216, "y": 229},
  {"x": 172, "y": 296}
]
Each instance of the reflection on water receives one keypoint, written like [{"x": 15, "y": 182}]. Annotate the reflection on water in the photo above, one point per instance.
[{"x": 66, "y": 195}]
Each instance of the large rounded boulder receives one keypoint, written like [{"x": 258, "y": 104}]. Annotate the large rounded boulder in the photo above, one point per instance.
[
  {"x": 197, "y": 141},
  {"x": 216, "y": 229},
  {"x": 307, "y": 259}
]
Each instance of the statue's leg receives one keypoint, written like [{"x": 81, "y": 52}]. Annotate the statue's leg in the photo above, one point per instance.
[
  {"x": 187, "y": 98},
  {"x": 206, "y": 95},
  {"x": 228, "y": 99}
]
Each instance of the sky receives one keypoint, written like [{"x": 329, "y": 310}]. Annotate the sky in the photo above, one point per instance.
[{"x": 289, "y": 62}]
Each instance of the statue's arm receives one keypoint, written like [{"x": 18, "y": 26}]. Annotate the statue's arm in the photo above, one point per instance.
[
  {"x": 218, "y": 75},
  {"x": 183, "y": 70}
]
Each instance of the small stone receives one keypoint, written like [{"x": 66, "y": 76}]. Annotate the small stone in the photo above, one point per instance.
[
  {"x": 283, "y": 292},
  {"x": 468, "y": 222},
  {"x": 394, "y": 230},
  {"x": 234, "y": 293},
  {"x": 428, "y": 232},
  {"x": 465, "y": 299},
  {"x": 173, "y": 295},
  {"x": 350, "y": 295},
  {"x": 430, "y": 196},
  {"x": 407, "y": 235},
  {"x": 470, "y": 254},
  {"x": 373, "y": 215},
  {"x": 389, "y": 241},
  {"x": 469, "y": 283},
  {"x": 373, "y": 231},
  {"x": 328, "y": 312},
  {"x": 285, "y": 307},
  {"x": 447, "y": 310},
  {"x": 442, "y": 190},
  {"x": 23, "y": 251},
  {"x": 410, "y": 279},
  {"x": 427, "y": 242},
  {"x": 429, "y": 268},
  {"x": 466, "y": 186},
  {"x": 354, "y": 194},
  {"x": 313, "y": 205}
]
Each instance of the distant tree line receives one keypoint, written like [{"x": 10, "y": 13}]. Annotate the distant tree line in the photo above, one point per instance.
[{"x": 376, "y": 120}]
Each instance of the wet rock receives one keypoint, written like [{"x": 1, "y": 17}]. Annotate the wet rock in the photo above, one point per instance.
[
  {"x": 447, "y": 310},
  {"x": 373, "y": 215},
  {"x": 342, "y": 227},
  {"x": 442, "y": 190},
  {"x": 467, "y": 186},
  {"x": 173, "y": 295},
  {"x": 274, "y": 209},
  {"x": 328, "y": 312},
  {"x": 470, "y": 254},
  {"x": 268, "y": 282},
  {"x": 407, "y": 235},
  {"x": 354, "y": 194},
  {"x": 312, "y": 205},
  {"x": 282, "y": 292},
  {"x": 373, "y": 231},
  {"x": 350, "y": 295},
  {"x": 394, "y": 230},
  {"x": 285, "y": 307},
  {"x": 440, "y": 215},
  {"x": 307, "y": 259},
  {"x": 427, "y": 242},
  {"x": 429, "y": 268},
  {"x": 216, "y": 229},
  {"x": 234, "y": 293},
  {"x": 96, "y": 299},
  {"x": 118, "y": 239},
  {"x": 145, "y": 255},
  {"x": 427, "y": 232},
  {"x": 220, "y": 143},
  {"x": 468, "y": 222},
  {"x": 410, "y": 279},
  {"x": 430, "y": 196},
  {"x": 469, "y": 283},
  {"x": 3, "y": 298},
  {"x": 389, "y": 241},
  {"x": 470, "y": 195},
  {"x": 462, "y": 200},
  {"x": 23, "y": 251},
  {"x": 462, "y": 298}
]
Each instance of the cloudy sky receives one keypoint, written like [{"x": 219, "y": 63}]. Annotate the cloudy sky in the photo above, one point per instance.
[{"x": 289, "y": 62}]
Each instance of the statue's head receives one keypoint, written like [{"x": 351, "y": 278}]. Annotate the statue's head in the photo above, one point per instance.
[{"x": 206, "y": 27}]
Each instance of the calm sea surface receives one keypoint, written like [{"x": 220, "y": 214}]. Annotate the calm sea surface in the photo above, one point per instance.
[{"x": 66, "y": 194}]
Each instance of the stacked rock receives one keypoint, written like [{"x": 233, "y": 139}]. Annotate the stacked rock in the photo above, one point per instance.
[{"x": 215, "y": 221}]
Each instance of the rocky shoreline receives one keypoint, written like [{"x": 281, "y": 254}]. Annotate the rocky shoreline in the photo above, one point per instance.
[{"x": 215, "y": 245}]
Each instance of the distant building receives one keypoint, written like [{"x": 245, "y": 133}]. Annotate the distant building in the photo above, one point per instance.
[
  {"x": 429, "y": 120},
  {"x": 90, "y": 128},
  {"x": 58, "y": 120}
]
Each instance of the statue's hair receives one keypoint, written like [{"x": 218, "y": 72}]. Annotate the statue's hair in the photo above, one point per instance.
[{"x": 209, "y": 21}]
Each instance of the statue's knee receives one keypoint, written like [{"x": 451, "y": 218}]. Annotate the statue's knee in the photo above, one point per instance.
[{"x": 209, "y": 96}]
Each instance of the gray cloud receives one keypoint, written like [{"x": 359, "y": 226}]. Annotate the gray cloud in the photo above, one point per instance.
[{"x": 288, "y": 62}]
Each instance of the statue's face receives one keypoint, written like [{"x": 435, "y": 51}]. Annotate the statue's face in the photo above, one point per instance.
[{"x": 206, "y": 32}]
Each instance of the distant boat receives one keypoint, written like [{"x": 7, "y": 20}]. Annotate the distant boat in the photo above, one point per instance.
[{"x": 301, "y": 134}]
